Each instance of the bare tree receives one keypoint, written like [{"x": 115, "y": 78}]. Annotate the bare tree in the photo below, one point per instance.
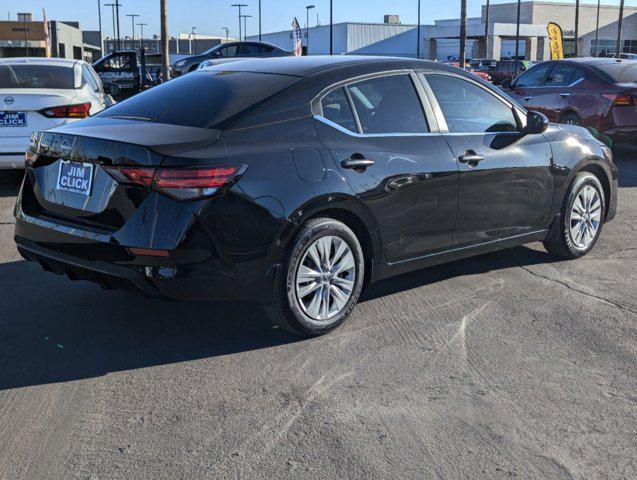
[
  {"x": 463, "y": 32},
  {"x": 165, "y": 61}
]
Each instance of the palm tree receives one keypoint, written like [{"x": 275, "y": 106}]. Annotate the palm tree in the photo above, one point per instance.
[
  {"x": 165, "y": 72},
  {"x": 618, "y": 45},
  {"x": 576, "y": 28},
  {"x": 486, "y": 29}
]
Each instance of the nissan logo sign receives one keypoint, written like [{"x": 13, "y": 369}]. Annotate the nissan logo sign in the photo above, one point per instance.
[
  {"x": 9, "y": 100},
  {"x": 65, "y": 147}
]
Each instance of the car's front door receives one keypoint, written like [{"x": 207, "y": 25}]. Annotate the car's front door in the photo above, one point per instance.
[
  {"x": 396, "y": 162},
  {"x": 529, "y": 90},
  {"x": 506, "y": 183}
]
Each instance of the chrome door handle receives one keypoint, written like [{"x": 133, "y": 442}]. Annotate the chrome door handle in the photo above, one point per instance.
[
  {"x": 565, "y": 94},
  {"x": 357, "y": 163},
  {"x": 471, "y": 158},
  {"x": 528, "y": 97}
]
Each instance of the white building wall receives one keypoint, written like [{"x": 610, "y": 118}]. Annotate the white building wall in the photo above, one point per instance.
[{"x": 319, "y": 39}]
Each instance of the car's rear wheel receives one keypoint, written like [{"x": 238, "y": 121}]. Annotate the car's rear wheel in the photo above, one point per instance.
[
  {"x": 320, "y": 281},
  {"x": 577, "y": 230}
]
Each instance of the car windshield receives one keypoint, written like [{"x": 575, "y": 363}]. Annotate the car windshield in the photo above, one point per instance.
[
  {"x": 202, "y": 99},
  {"x": 619, "y": 72},
  {"x": 36, "y": 76}
]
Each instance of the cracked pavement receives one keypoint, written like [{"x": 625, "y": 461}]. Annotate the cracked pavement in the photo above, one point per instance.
[{"x": 508, "y": 365}]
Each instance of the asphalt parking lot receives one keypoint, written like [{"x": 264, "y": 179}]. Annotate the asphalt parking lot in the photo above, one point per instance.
[{"x": 506, "y": 365}]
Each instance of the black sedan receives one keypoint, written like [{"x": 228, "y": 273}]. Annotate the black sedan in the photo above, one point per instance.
[
  {"x": 228, "y": 50},
  {"x": 334, "y": 173}
]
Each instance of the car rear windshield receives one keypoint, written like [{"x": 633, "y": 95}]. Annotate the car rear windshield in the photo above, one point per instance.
[
  {"x": 36, "y": 76},
  {"x": 203, "y": 99},
  {"x": 619, "y": 72}
]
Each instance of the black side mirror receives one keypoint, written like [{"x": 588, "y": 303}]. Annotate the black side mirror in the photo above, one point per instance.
[
  {"x": 536, "y": 122},
  {"x": 506, "y": 83}
]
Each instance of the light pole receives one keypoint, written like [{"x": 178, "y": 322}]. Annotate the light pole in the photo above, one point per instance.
[
  {"x": 99, "y": 17},
  {"x": 418, "y": 33},
  {"x": 517, "y": 41},
  {"x": 227, "y": 32},
  {"x": 26, "y": 34},
  {"x": 618, "y": 46},
  {"x": 307, "y": 28},
  {"x": 119, "y": 41},
  {"x": 239, "y": 5},
  {"x": 132, "y": 18},
  {"x": 331, "y": 29},
  {"x": 259, "y": 20},
  {"x": 141, "y": 41},
  {"x": 597, "y": 31},
  {"x": 193, "y": 35},
  {"x": 245, "y": 26},
  {"x": 112, "y": 5},
  {"x": 463, "y": 33}
]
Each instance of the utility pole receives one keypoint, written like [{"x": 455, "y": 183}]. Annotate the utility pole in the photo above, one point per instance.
[
  {"x": 486, "y": 29},
  {"x": 193, "y": 35},
  {"x": 119, "y": 41},
  {"x": 576, "y": 28},
  {"x": 307, "y": 28},
  {"x": 142, "y": 25},
  {"x": 418, "y": 33},
  {"x": 517, "y": 41},
  {"x": 132, "y": 18},
  {"x": 165, "y": 72},
  {"x": 227, "y": 32},
  {"x": 331, "y": 30},
  {"x": 597, "y": 31},
  {"x": 463, "y": 33},
  {"x": 26, "y": 34},
  {"x": 99, "y": 17},
  {"x": 245, "y": 26},
  {"x": 259, "y": 20},
  {"x": 239, "y": 5},
  {"x": 618, "y": 45}
]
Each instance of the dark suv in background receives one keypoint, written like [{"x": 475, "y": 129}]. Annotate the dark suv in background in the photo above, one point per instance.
[
  {"x": 593, "y": 92},
  {"x": 505, "y": 70},
  {"x": 228, "y": 50}
]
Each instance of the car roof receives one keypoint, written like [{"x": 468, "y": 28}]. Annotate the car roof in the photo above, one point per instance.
[
  {"x": 61, "y": 62},
  {"x": 596, "y": 61},
  {"x": 306, "y": 66}
]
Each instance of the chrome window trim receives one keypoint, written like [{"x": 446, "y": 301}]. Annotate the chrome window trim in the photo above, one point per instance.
[
  {"x": 430, "y": 119},
  {"x": 344, "y": 130}
]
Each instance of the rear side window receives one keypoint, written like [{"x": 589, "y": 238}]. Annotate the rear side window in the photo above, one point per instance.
[
  {"x": 37, "y": 76},
  {"x": 336, "y": 108},
  {"x": 388, "y": 105},
  {"x": 468, "y": 108},
  {"x": 618, "y": 72},
  {"x": 202, "y": 99}
]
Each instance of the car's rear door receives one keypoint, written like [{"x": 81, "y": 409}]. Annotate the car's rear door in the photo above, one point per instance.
[
  {"x": 560, "y": 84},
  {"x": 506, "y": 183},
  {"x": 394, "y": 158}
]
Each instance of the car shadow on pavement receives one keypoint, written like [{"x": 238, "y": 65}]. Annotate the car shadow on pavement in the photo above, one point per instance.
[
  {"x": 10, "y": 182},
  {"x": 54, "y": 330}
]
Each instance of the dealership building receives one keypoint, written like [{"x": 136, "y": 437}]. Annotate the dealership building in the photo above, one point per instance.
[{"x": 441, "y": 39}]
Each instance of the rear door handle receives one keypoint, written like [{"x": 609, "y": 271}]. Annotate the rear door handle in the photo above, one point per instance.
[
  {"x": 471, "y": 158},
  {"x": 357, "y": 163},
  {"x": 528, "y": 97},
  {"x": 565, "y": 94}
]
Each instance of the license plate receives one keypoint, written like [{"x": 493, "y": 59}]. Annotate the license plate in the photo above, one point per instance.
[
  {"x": 13, "y": 119},
  {"x": 75, "y": 177}
]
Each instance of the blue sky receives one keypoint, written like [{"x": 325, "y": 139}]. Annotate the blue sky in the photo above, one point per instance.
[{"x": 210, "y": 16}]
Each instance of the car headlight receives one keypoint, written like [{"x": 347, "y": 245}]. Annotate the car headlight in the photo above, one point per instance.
[{"x": 180, "y": 63}]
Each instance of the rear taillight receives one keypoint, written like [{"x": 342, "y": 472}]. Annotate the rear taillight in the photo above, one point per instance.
[
  {"x": 180, "y": 183},
  {"x": 621, "y": 100},
  {"x": 81, "y": 110}
]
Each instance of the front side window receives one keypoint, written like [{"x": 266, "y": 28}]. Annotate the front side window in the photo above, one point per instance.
[
  {"x": 336, "y": 109},
  {"x": 388, "y": 105},
  {"x": 230, "y": 51},
  {"x": 560, "y": 76},
  {"x": 533, "y": 77},
  {"x": 468, "y": 108}
]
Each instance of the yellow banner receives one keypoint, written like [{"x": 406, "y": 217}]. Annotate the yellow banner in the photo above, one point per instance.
[{"x": 555, "y": 41}]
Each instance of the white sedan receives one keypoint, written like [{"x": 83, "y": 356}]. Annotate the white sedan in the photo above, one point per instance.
[{"x": 41, "y": 93}]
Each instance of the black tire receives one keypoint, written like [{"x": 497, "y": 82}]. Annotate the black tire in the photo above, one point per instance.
[
  {"x": 560, "y": 243},
  {"x": 571, "y": 118},
  {"x": 286, "y": 311}
]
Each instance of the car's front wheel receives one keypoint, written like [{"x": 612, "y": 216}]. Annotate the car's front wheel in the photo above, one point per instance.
[
  {"x": 577, "y": 230},
  {"x": 321, "y": 279}
]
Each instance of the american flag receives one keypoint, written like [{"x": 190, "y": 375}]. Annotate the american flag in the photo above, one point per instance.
[{"x": 297, "y": 38}]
